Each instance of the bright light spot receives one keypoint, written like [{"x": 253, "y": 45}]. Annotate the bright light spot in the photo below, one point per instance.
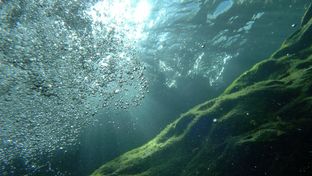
[
  {"x": 220, "y": 69},
  {"x": 221, "y": 8},
  {"x": 117, "y": 91},
  {"x": 122, "y": 15},
  {"x": 142, "y": 11},
  {"x": 171, "y": 84},
  {"x": 105, "y": 62},
  {"x": 198, "y": 60},
  {"x": 164, "y": 67}
]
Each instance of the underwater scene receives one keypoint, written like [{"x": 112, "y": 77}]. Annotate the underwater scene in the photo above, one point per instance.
[{"x": 155, "y": 88}]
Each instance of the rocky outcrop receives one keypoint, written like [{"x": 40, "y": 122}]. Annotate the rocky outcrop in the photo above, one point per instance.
[{"x": 260, "y": 125}]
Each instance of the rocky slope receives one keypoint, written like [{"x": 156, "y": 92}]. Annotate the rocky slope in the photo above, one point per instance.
[{"x": 260, "y": 125}]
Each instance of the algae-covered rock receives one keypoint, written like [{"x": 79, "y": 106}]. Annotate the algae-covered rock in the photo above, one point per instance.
[{"x": 260, "y": 125}]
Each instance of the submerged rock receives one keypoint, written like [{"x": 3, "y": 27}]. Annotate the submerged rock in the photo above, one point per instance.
[{"x": 260, "y": 125}]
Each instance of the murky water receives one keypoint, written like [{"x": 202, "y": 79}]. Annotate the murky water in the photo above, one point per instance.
[{"x": 73, "y": 73}]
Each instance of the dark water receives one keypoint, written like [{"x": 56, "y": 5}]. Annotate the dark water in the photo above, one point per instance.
[{"x": 83, "y": 81}]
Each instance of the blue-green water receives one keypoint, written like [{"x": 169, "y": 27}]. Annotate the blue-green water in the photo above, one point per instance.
[{"x": 83, "y": 81}]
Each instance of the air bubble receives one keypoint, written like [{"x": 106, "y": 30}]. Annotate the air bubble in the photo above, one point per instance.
[
  {"x": 117, "y": 91},
  {"x": 59, "y": 91}
]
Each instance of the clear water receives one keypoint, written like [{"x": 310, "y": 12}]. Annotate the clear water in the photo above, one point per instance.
[{"x": 84, "y": 81}]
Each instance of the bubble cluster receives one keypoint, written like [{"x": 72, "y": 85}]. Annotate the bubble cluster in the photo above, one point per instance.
[{"x": 57, "y": 69}]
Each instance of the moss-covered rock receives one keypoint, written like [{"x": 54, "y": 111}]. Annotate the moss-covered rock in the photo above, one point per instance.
[{"x": 260, "y": 125}]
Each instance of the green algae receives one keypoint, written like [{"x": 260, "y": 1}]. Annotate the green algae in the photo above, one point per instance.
[{"x": 260, "y": 125}]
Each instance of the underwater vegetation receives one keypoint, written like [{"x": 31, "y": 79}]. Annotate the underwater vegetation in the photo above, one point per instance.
[{"x": 260, "y": 125}]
